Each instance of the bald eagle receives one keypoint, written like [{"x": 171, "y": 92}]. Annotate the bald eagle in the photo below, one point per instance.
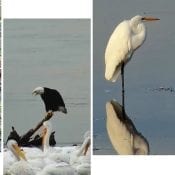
[{"x": 52, "y": 99}]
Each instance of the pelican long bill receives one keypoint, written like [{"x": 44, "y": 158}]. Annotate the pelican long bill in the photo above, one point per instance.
[{"x": 18, "y": 151}]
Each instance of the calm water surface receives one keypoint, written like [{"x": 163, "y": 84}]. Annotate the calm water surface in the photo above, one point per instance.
[
  {"x": 151, "y": 67},
  {"x": 50, "y": 53}
]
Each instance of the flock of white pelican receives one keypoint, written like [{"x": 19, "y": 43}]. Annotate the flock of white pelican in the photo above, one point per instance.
[{"x": 68, "y": 160}]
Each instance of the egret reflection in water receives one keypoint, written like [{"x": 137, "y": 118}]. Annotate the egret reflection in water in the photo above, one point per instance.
[{"x": 122, "y": 133}]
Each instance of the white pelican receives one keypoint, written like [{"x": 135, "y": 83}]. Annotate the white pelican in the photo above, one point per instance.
[
  {"x": 49, "y": 160},
  {"x": 55, "y": 153},
  {"x": 77, "y": 157},
  {"x": 80, "y": 158},
  {"x": 54, "y": 157},
  {"x": 20, "y": 166},
  {"x": 122, "y": 132},
  {"x": 128, "y": 36}
]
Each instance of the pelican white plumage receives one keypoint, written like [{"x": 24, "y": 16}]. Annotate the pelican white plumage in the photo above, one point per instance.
[
  {"x": 58, "y": 169},
  {"x": 72, "y": 154},
  {"x": 80, "y": 158},
  {"x": 128, "y": 36},
  {"x": 57, "y": 158},
  {"x": 76, "y": 155},
  {"x": 123, "y": 135},
  {"x": 43, "y": 161},
  {"x": 49, "y": 160},
  {"x": 19, "y": 165},
  {"x": 53, "y": 157},
  {"x": 15, "y": 149},
  {"x": 20, "y": 168},
  {"x": 38, "y": 157},
  {"x": 54, "y": 153}
]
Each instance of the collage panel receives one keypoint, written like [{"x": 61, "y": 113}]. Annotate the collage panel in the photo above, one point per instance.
[
  {"x": 83, "y": 83},
  {"x": 133, "y": 76},
  {"x": 47, "y": 96}
]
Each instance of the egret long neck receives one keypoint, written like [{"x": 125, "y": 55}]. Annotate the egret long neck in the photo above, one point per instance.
[{"x": 138, "y": 34}]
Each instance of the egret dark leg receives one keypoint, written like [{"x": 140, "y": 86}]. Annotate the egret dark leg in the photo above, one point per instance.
[{"x": 123, "y": 90}]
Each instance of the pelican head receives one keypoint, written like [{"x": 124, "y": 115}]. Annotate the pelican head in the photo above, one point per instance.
[
  {"x": 87, "y": 134},
  {"x": 38, "y": 91},
  {"x": 87, "y": 145},
  {"x": 87, "y": 141},
  {"x": 16, "y": 150}
]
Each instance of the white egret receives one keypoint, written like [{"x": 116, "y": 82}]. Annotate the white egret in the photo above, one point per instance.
[
  {"x": 128, "y": 36},
  {"x": 121, "y": 130}
]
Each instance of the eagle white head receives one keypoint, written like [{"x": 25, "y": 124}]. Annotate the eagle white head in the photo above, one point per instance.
[{"x": 38, "y": 91}]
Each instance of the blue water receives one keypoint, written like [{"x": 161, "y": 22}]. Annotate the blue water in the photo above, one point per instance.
[
  {"x": 152, "y": 66},
  {"x": 53, "y": 53}
]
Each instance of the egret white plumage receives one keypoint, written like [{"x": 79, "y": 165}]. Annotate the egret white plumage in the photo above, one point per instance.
[
  {"x": 128, "y": 36},
  {"x": 123, "y": 134},
  {"x": 52, "y": 99},
  {"x": 31, "y": 161}
]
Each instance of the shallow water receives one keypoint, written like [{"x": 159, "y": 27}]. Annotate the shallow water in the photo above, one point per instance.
[
  {"x": 53, "y": 53},
  {"x": 152, "y": 67}
]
